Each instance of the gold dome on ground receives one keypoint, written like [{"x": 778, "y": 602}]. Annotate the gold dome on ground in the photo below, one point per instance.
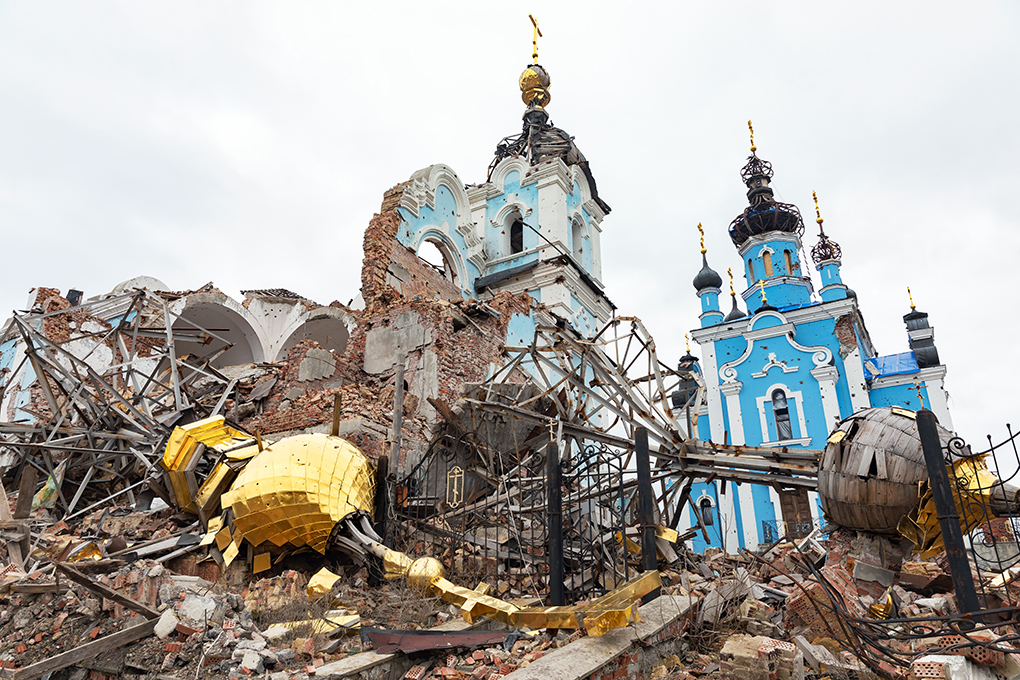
[
  {"x": 534, "y": 83},
  {"x": 295, "y": 491}
]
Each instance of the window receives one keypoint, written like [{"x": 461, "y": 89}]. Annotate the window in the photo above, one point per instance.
[
  {"x": 789, "y": 262},
  {"x": 767, "y": 257},
  {"x": 577, "y": 237},
  {"x": 517, "y": 237},
  {"x": 706, "y": 511},
  {"x": 784, "y": 429},
  {"x": 750, "y": 270}
]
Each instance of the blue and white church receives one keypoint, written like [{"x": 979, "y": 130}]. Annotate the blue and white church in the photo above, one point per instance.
[{"x": 784, "y": 372}]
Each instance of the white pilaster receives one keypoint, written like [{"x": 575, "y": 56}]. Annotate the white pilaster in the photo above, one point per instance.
[
  {"x": 855, "y": 380},
  {"x": 732, "y": 393},
  {"x": 827, "y": 377}
]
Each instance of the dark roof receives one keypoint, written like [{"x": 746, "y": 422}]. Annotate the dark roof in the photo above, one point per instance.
[{"x": 273, "y": 292}]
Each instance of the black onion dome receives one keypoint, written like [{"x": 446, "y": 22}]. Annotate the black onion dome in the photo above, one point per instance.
[
  {"x": 707, "y": 277},
  {"x": 763, "y": 214},
  {"x": 735, "y": 313}
]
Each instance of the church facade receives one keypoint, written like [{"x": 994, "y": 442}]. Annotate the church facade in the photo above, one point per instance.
[{"x": 787, "y": 370}]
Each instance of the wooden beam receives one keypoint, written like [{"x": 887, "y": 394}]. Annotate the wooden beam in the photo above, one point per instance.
[
  {"x": 105, "y": 591},
  {"x": 78, "y": 654}
]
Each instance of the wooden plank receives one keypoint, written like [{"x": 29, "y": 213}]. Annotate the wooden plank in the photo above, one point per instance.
[
  {"x": 79, "y": 654},
  {"x": 26, "y": 490},
  {"x": 105, "y": 591}
]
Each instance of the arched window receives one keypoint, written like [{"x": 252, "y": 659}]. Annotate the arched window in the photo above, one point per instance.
[
  {"x": 750, "y": 270},
  {"x": 577, "y": 239},
  {"x": 784, "y": 429},
  {"x": 789, "y": 263},
  {"x": 707, "y": 517},
  {"x": 517, "y": 237},
  {"x": 767, "y": 257},
  {"x": 434, "y": 252}
]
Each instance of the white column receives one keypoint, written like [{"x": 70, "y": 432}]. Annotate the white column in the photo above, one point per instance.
[
  {"x": 715, "y": 413},
  {"x": 827, "y": 377},
  {"x": 854, "y": 365},
  {"x": 937, "y": 402},
  {"x": 732, "y": 393}
]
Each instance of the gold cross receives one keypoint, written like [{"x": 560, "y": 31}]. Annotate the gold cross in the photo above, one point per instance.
[
  {"x": 761, "y": 286},
  {"x": 687, "y": 338},
  {"x": 917, "y": 386},
  {"x": 909, "y": 295},
  {"x": 729, "y": 270},
  {"x": 535, "y": 35},
  {"x": 702, "y": 232},
  {"x": 751, "y": 128},
  {"x": 818, "y": 214}
]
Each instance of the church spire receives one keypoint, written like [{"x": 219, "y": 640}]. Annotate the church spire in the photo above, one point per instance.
[
  {"x": 735, "y": 311},
  {"x": 707, "y": 282},
  {"x": 825, "y": 249},
  {"x": 764, "y": 213},
  {"x": 825, "y": 255}
]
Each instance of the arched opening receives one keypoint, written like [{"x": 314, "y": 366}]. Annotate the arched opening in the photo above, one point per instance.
[
  {"x": 705, "y": 507},
  {"x": 517, "y": 236},
  {"x": 750, "y": 271},
  {"x": 577, "y": 240},
  {"x": 784, "y": 428},
  {"x": 789, "y": 262},
  {"x": 230, "y": 329},
  {"x": 330, "y": 332},
  {"x": 767, "y": 258},
  {"x": 434, "y": 252}
]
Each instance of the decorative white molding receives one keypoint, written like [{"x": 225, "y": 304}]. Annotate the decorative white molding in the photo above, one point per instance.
[
  {"x": 506, "y": 210},
  {"x": 772, "y": 363},
  {"x": 827, "y": 377},
  {"x": 768, "y": 237},
  {"x": 820, "y": 355},
  {"x": 447, "y": 247},
  {"x": 824, "y": 310},
  {"x": 780, "y": 280},
  {"x": 766, "y": 249},
  {"x": 825, "y": 263}
]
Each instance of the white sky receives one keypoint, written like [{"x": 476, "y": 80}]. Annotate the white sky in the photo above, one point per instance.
[{"x": 250, "y": 143}]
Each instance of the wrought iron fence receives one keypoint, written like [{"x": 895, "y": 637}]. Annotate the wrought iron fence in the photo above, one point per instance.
[{"x": 496, "y": 527}]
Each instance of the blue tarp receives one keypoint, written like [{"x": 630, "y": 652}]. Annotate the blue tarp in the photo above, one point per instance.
[{"x": 893, "y": 364}]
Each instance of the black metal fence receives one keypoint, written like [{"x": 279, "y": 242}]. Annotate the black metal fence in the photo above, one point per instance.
[{"x": 494, "y": 525}]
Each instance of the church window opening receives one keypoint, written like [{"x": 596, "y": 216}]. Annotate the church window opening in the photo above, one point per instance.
[
  {"x": 767, "y": 257},
  {"x": 706, "y": 511},
  {"x": 434, "y": 253},
  {"x": 784, "y": 429},
  {"x": 789, "y": 262},
  {"x": 577, "y": 239},
  {"x": 517, "y": 237},
  {"x": 750, "y": 270}
]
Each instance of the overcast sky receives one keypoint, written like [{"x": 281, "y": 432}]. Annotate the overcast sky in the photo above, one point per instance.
[{"x": 249, "y": 144}]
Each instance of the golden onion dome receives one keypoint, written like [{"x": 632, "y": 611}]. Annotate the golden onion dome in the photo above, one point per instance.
[
  {"x": 295, "y": 490},
  {"x": 534, "y": 83}
]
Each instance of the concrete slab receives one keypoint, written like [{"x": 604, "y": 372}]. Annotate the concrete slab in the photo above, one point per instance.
[{"x": 586, "y": 656}]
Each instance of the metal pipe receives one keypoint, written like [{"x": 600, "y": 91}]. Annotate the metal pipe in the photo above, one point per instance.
[
  {"x": 945, "y": 506},
  {"x": 554, "y": 497},
  {"x": 645, "y": 516}
]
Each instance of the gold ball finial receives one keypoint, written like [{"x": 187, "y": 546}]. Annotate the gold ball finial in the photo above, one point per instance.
[
  {"x": 729, "y": 270},
  {"x": 761, "y": 287},
  {"x": 687, "y": 339},
  {"x": 751, "y": 129},
  {"x": 702, "y": 232},
  {"x": 910, "y": 295},
  {"x": 818, "y": 213}
]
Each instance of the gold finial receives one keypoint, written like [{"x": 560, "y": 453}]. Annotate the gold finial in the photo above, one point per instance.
[
  {"x": 687, "y": 339},
  {"x": 918, "y": 386},
  {"x": 909, "y": 295},
  {"x": 751, "y": 128},
  {"x": 535, "y": 35},
  {"x": 729, "y": 270},
  {"x": 702, "y": 232},
  {"x": 818, "y": 213},
  {"x": 761, "y": 287}
]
